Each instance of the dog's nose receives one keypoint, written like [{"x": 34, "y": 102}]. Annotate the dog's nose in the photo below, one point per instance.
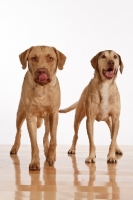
[
  {"x": 41, "y": 70},
  {"x": 111, "y": 63}
]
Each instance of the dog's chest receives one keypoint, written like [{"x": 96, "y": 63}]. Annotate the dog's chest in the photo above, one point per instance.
[
  {"x": 104, "y": 104},
  {"x": 40, "y": 110},
  {"x": 40, "y": 105}
]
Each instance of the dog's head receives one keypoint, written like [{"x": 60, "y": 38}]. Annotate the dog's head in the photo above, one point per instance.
[
  {"x": 107, "y": 63},
  {"x": 42, "y": 62}
]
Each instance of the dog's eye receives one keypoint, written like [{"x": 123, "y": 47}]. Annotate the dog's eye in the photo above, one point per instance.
[
  {"x": 33, "y": 58},
  {"x": 103, "y": 56},
  {"x": 50, "y": 58},
  {"x": 115, "y": 56}
]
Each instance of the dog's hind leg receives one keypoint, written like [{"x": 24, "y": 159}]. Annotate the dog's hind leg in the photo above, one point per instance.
[
  {"x": 39, "y": 122},
  {"x": 78, "y": 118},
  {"x": 21, "y": 115}
]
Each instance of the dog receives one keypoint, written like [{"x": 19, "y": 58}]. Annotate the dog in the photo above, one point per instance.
[
  {"x": 100, "y": 100},
  {"x": 40, "y": 99}
]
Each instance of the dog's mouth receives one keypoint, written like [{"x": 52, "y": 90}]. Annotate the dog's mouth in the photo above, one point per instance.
[
  {"x": 109, "y": 73},
  {"x": 42, "y": 77}
]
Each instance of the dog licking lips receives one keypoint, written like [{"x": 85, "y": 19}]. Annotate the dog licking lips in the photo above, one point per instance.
[{"x": 43, "y": 77}]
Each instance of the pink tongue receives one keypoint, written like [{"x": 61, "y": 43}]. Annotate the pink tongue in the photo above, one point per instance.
[
  {"x": 43, "y": 77},
  {"x": 109, "y": 74}
]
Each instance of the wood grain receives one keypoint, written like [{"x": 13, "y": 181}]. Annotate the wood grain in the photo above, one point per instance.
[{"x": 70, "y": 177}]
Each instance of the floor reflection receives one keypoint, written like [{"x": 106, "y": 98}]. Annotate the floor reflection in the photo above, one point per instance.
[
  {"x": 70, "y": 179},
  {"x": 42, "y": 183},
  {"x": 96, "y": 187},
  {"x": 16, "y": 164},
  {"x": 49, "y": 177}
]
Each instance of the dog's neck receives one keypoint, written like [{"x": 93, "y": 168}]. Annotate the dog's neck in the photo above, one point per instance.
[{"x": 103, "y": 88}]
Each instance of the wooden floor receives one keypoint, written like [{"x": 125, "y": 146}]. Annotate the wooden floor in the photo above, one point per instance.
[{"x": 70, "y": 178}]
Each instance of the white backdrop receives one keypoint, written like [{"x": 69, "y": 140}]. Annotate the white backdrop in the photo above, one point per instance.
[{"x": 79, "y": 29}]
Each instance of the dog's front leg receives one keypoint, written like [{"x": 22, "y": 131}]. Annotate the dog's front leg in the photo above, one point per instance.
[
  {"x": 115, "y": 128},
  {"x": 46, "y": 135},
  {"x": 51, "y": 155},
  {"x": 117, "y": 148},
  {"x": 19, "y": 121},
  {"x": 32, "y": 129},
  {"x": 92, "y": 154}
]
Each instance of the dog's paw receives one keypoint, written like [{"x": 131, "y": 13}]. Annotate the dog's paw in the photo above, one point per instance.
[
  {"x": 71, "y": 151},
  {"x": 50, "y": 160},
  {"x": 34, "y": 166},
  {"x": 111, "y": 159},
  {"x": 90, "y": 159},
  {"x": 13, "y": 150},
  {"x": 51, "y": 155},
  {"x": 118, "y": 151}
]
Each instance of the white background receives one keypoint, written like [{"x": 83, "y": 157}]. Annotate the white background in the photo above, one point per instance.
[{"x": 79, "y": 29}]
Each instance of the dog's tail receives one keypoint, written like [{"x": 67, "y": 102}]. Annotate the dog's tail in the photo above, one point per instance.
[
  {"x": 72, "y": 107},
  {"x": 39, "y": 122}
]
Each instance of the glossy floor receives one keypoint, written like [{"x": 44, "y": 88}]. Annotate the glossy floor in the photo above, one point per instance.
[{"x": 70, "y": 178}]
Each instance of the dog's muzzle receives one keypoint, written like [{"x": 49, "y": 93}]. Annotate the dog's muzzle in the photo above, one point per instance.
[
  {"x": 110, "y": 72},
  {"x": 42, "y": 76}
]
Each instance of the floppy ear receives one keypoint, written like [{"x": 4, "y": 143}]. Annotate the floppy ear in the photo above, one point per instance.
[
  {"x": 61, "y": 58},
  {"x": 24, "y": 57},
  {"x": 121, "y": 64},
  {"x": 94, "y": 61}
]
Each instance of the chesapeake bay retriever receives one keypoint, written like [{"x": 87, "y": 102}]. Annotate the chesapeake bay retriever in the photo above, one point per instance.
[
  {"x": 100, "y": 100},
  {"x": 40, "y": 99}
]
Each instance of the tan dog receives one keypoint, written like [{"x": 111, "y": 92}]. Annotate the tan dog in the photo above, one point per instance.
[
  {"x": 40, "y": 98},
  {"x": 100, "y": 100}
]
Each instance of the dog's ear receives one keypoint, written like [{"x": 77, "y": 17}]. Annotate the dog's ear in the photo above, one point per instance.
[
  {"x": 24, "y": 57},
  {"x": 94, "y": 61},
  {"x": 61, "y": 58},
  {"x": 121, "y": 64}
]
